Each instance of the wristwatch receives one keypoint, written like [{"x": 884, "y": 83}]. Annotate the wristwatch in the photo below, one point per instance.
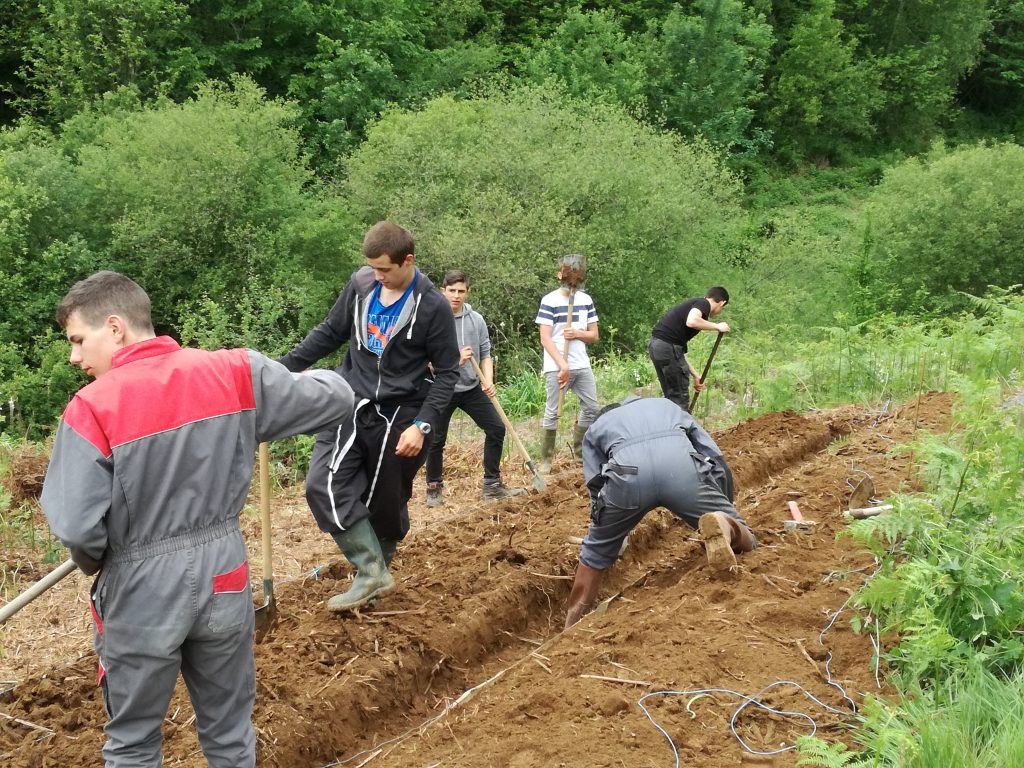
[{"x": 422, "y": 426}]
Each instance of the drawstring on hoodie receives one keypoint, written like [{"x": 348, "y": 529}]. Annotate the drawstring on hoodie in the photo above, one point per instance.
[{"x": 415, "y": 311}]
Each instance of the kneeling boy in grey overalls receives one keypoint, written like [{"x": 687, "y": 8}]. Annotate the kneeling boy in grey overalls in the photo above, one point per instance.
[{"x": 647, "y": 453}]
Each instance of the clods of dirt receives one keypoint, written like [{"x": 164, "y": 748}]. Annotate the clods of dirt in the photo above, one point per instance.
[{"x": 466, "y": 663}]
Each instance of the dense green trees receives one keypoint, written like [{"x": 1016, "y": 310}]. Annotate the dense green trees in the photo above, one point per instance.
[
  {"x": 504, "y": 185},
  {"x": 949, "y": 222},
  {"x": 218, "y": 152},
  {"x": 82, "y": 49},
  {"x": 997, "y": 84},
  {"x": 706, "y": 72},
  {"x": 590, "y": 56},
  {"x": 207, "y": 203},
  {"x": 921, "y": 49},
  {"x": 821, "y": 97},
  {"x": 838, "y": 71}
]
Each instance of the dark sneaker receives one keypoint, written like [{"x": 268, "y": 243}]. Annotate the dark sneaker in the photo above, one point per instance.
[
  {"x": 434, "y": 495},
  {"x": 498, "y": 490}
]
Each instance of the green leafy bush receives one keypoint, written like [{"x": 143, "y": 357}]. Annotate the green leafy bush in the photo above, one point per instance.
[
  {"x": 950, "y": 222},
  {"x": 501, "y": 186}
]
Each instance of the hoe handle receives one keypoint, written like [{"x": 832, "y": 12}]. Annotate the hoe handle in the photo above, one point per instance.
[
  {"x": 504, "y": 417},
  {"x": 707, "y": 367},
  {"x": 36, "y": 590},
  {"x": 565, "y": 349},
  {"x": 268, "y": 554}
]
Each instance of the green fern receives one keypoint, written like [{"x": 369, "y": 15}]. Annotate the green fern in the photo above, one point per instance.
[{"x": 820, "y": 753}]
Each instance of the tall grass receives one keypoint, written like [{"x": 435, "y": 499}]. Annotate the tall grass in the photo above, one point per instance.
[
  {"x": 803, "y": 369},
  {"x": 951, "y": 582}
]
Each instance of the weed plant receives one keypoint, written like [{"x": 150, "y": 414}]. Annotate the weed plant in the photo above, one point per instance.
[
  {"x": 951, "y": 578},
  {"x": 973, "y": 719}
]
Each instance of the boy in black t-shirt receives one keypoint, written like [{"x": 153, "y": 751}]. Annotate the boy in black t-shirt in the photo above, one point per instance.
[{"x": 672, "y": 333}]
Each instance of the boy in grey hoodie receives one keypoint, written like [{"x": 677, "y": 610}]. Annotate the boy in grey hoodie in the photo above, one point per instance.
[{"x": 471, "y": 395}]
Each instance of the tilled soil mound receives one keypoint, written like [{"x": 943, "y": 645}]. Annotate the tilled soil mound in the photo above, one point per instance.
[{"x": 466, "y": 665}]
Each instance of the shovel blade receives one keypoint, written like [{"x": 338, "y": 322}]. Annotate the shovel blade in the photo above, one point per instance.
[
  {"x": 266, "y": 614},
  {"x": 573, "y": 267},
  {"x": 538, "y": 482},
  {"x": 862, "y": 493}
]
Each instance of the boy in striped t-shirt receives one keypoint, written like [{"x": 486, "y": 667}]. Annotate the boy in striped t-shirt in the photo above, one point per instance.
[{"x": 571, "y": 371}]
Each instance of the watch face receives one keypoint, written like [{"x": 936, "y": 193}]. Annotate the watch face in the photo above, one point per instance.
[{"x": 423, "y": 427}]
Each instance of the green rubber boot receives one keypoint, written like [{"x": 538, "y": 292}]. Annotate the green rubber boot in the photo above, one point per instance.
[
  {"x": 388, "y": 548},
  {"x": 577, "y": 442},
  {"x": 360, "y": 545},
  {"x": 547, "y": 450}
]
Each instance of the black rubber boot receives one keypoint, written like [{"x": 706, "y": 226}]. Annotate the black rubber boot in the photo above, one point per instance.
[{"x": 360, "y": 545}]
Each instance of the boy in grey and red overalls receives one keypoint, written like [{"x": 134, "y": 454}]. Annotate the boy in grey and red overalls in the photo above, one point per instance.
[{"x": 150, "y": 469}]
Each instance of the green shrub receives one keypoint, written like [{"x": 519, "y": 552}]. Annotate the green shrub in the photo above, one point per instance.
[
  {"x": 502, "y": 186},
  {"x": 949, "y": 222}
]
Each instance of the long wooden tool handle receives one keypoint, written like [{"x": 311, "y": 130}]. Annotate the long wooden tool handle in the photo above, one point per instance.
[
  {"x": 707, "y": 367},
  {"x": 36, "y": 590},
  {"x": 501, "y": 412},
  {"x": 268, "y": 553},
  {"x": 565, "y": 351}
]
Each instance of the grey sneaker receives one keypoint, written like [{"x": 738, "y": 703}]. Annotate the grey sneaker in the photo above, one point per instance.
[
  {"x": 434, "y": 495},
  {"x": 495, "y": 490}
]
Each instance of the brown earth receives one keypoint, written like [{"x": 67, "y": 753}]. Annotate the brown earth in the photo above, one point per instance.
[{"x": 466, "y": 665}]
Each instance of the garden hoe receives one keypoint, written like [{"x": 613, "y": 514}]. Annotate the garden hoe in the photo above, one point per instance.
[
  {"x": 572, "y": 272},
  {"x": 860, "y": 499},
  {"x": 36, "y": 590},
  {"x": 538, "y": 483},
  {"x": 707, "y": 367},
  {"x": 266, "y": 613}
]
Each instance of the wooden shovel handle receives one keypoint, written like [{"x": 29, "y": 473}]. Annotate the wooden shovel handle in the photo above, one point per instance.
[
  {"x": 565, "y": 349},
  {"x": 501, "y": 412},
  {"x": 36, "y": 590},
  {"x": 268, "y": 553},
  {"x": 707, "y": 367}
]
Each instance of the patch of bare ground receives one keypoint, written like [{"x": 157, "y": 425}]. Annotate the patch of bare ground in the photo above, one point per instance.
[{"x": 480, "y": 604}]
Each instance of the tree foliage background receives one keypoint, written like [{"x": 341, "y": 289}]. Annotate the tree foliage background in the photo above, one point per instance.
[{"x": 229, "y": 154}]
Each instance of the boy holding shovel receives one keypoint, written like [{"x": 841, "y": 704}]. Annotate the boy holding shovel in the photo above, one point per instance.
[
  {"x": 669, "y": 339},
  {"x": 150, "y": 468},
  {"x": 566, "y": 363},
  {"x": 472, "y": 395}
]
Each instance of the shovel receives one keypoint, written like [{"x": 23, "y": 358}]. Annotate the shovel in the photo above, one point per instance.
[
  {"x": 36, "y": 590},
  {"x": 707, "y": 367},
  {"x": 266, "y": 613},
  {"x": 538, "y": 483},
  {"x": 573, "y": 272}
]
